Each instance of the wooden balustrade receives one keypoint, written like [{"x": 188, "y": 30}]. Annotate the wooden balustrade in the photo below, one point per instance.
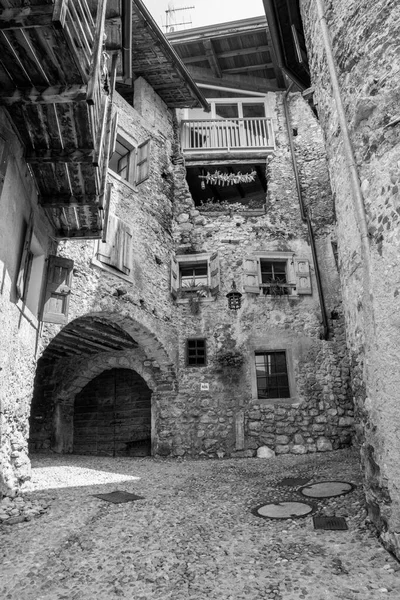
[{"x": 229, "y": 134}]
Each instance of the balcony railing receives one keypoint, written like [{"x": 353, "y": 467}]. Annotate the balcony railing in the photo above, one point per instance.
[{"x": 227, "y": 135}]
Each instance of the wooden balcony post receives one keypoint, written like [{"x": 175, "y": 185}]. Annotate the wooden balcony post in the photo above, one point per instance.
[
  {"x": 60, "y": 13},
  {"x": 95, "y": 75}
]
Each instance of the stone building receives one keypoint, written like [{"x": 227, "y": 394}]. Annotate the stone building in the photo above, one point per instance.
[
  {"x": 351, "y": 51},
  {"x": 137, "y": 350}
]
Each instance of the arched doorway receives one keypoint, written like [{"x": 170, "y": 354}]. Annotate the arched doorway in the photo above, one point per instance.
[{"x": 112, "y": 415}]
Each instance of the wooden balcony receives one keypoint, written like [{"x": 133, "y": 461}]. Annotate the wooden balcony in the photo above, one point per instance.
[
  {"x": 231, "y": 136},
  {"x": 56, "y": 87}
]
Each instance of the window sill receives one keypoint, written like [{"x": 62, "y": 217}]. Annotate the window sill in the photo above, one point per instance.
[
  {"x": 276, "y": 401},
  {"x": 115, "y": 176},
  {"x": 97, "y": 263},
  {"x": 29, "y": 316},
  {"x": 243, "y": 213},
  {"x": 201, "y": 300}
]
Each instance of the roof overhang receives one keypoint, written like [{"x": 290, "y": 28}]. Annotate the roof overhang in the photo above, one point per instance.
[{"x": 154, "y": 59}]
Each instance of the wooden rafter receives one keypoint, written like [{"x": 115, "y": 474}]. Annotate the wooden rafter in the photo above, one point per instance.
[{"x": 212, "y": 58}]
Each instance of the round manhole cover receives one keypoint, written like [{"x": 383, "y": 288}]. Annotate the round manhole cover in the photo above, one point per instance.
[
  {"x": 326, "y": 489},
  {"x": 283, "y": 510}
]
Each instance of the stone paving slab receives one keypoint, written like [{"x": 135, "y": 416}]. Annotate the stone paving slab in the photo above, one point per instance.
[{"x": 193, "y": 536}]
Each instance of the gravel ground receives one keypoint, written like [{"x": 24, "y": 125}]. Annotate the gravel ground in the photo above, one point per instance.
[{"x": 192, "y": 536}]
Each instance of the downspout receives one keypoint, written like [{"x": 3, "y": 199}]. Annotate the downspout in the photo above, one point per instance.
[
  {"x": 357, "y": 197},
  {"x": 305, "y": 216}
]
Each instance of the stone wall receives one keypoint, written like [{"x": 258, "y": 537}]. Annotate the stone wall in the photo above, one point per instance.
[
  {"x": 18, "y": 325},
  {"x": 365, "y": 46},
  {"x": 227, "y": 418}
]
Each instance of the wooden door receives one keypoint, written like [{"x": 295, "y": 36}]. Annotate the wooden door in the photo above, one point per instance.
[{"x": 112, "y": 415}]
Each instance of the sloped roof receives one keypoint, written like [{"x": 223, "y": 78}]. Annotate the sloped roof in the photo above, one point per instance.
[
  {"x": 154, "y": 59},
  {"x": 238, "y": 52}
]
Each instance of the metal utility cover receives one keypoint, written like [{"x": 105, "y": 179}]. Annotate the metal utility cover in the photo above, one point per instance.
[
  {"x": 294, "y": 481},
  {"x": 283, "y": 510},
  {"x": 118, "y": 497},
  {"x": 326, "y": 489},
  {"x": 330, "y": 523}
]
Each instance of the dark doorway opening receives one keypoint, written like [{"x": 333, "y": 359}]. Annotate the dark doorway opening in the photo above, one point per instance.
[{"x": 112, "y": 415}]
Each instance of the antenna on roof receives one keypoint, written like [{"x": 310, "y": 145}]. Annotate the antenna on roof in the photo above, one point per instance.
[{"x": 170, "y": 18}]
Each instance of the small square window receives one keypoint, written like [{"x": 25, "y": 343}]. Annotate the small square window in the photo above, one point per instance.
[
  {"x": 272, "y": 375},
  {"x": 196, "y": 353}
]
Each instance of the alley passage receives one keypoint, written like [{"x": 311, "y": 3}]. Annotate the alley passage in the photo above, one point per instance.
[{"x": 193, "y": 536}]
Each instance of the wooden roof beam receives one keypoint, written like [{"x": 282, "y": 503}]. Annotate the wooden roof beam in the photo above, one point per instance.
[
  {"x": 247, "y": 68},
  {"x": 212, "y": 58},
  {"x": 228, "y": 54},
  {"x": 56, "y": 94},
  {"x": 34, "y": 16}
]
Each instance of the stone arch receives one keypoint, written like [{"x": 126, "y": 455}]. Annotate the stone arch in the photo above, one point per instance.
[{"x": 62, "y": 374}]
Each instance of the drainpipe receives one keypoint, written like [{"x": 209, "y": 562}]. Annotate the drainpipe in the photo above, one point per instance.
[
  {"x": 357, "y": 197},
  {"x": 305, "y": 216}
]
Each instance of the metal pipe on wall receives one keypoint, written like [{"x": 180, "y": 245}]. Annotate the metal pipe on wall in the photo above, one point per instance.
[
  {"x": 305, "y": 216},
  {"x": 358, "y": 200}
]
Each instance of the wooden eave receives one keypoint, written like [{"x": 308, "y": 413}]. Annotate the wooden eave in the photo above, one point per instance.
[
  {"x": 154, "y": 59},
  {"x": 242, "y": 48},
  {"x": 54, "y": 86}
]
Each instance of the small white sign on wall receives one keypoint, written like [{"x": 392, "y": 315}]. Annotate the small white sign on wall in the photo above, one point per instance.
[{"x": 204, "y": 387}]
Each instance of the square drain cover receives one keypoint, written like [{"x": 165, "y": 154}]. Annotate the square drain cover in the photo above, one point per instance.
[
  {"x": 330, "y": 523},
  {"x": 118, "y": 497}
]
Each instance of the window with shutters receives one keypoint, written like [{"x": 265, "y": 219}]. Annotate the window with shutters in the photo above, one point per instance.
[
  {"x": 129, "y": 161},
  {"x": 116, "y": 252},
  {"x": 30, "y": 273},
  {"x": 195, "y": 274},
  {"x": 276, "y": 274}
]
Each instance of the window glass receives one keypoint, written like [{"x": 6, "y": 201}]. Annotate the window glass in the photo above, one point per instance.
[
  {"x": 274, "y": 272},
  {"x": 193, "y": 274},
  {"x": 196, "y": 352},
  {"x": 227, "y": 111},
  {"x": 253, "y": 111},
  {"x": 272, "y": 375},
  {"x": 120, "y": 160}
]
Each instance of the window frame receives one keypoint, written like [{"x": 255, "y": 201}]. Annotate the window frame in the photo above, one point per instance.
[
  {"x": 274, "y": 353},
  {"x": 195, "y": 339},
  {"x": 134, "y": 162},
  {"x": 213, "y": 276},
  {"x": 298, "y": 271},
  {"x": 268, "y": 347},
  {"x": 31, "y": 275}
]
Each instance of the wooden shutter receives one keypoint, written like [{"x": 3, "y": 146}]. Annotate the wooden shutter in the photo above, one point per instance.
[
  {"x": 174, "y": 277},
  {"x": 303, "y": 276},
  {"x": 142, "y": 164},
  {"x": 3, "y": 161},
  {"x": 251, "y": 279},
  {"x": 113, "y": 139},
  {"x": 24, "y": 263},
  {"x": 58, "y": 289},
  {"x": 117, "y": 250},
  {"x": 214, "y": 273}
]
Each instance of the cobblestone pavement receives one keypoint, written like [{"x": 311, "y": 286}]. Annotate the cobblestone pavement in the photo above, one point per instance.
[{"x": 192, "y": 536}]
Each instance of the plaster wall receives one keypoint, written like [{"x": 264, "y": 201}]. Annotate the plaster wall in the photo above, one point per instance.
[
  {"x": 18, "y": 325},
  {"x": 364, "y": 38}
]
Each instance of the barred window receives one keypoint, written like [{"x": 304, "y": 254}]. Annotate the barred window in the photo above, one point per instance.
[
  {"x": 272, "y": 375},
  {"x": 196, "y": 352}
]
